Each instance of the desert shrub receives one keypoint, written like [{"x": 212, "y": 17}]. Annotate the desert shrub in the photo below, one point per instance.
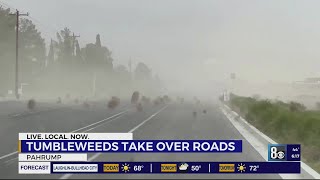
[
  {"x": 86, "y": 104},
  {"x": 156, "y": 102},
  {"x": 294, "y": 106},
  {"x": 135, "y": 97},
  {"x": 114, "y": 102},
  {"x": 59, "y": 100},
  {"x": 145, "y": 100},
  {"x": 166, "y": 99},
  {"x": 31, "y": 104},
  {"x": 139, "y": 107}
]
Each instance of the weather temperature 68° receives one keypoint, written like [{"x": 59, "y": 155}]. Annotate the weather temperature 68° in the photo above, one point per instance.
[{"x": 138, "y": 167}]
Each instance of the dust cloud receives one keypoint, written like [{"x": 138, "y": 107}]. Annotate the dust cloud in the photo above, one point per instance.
[{"x": 184, "y": 48}]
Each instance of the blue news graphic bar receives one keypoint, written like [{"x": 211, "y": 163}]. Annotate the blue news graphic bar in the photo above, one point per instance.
[
  {"x": 293, "y": 152},
  {"x": 261, "y": 167},
  {"x": 183, "y": 167},
  {"x": 132, "y": 146}
]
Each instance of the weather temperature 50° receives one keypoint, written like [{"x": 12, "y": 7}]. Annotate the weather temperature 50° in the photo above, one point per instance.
[{"x": 196, "y": 168}]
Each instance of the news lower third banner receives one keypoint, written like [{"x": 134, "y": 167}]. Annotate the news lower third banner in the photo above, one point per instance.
[
  {"x": 117, "y": 143},
  {"x": 131, "y": 146},
  {"x": 47, "y": 153},
  {"x": 161, "y": 167}
]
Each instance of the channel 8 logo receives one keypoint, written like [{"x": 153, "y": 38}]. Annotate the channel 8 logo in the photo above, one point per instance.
[{"x": 277, "y": 152}]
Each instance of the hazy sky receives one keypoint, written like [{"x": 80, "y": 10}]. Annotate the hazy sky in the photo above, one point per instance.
[{"x": 184, "y": 40}]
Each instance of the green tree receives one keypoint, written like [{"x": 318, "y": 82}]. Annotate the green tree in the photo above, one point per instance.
[
  {"x": 122, "y": 74},
  {"x": 66, "y": 46},
  {"x": 32, "y": 51},
  {"x": 142, "y": 72},
  {"x": 7, "y": 32},
  {"x": 98, "y": 57},
  {"x": 78, "y": 50},
  {"x": 51, "y": 54},
  {"x": 7, "y": 50}
]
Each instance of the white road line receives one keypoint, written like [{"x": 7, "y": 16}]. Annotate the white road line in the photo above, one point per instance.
[
  {"x": 102, "y": 124},
  {"x": 135, "y": 128},
  {"x": 11, "y": 160},
  {"x": 10, "y": 154},
  {"x": 15, "y": 115},
  {"x": 67, "y": 176},
  {"x": 99, "y": 121},
  {"x": 259, "y": 146},
  {"x": 35, "y": 112},
  {"x": 13, "y": 153}
]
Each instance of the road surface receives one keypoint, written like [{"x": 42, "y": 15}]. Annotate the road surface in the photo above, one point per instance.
[{"x": 166, "y": 121}]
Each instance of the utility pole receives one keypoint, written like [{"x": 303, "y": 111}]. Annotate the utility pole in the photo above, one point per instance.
[
  {"x": 73, "y": 59},
  {"x": 94, "y": 84},
  {"x": 73, "y": 40},
  {"x": 130, "y": 66},
  {"x": 17, "y": 14},
  {"x": 130, "y": 72},
  {"x": 232, "y": 77}
]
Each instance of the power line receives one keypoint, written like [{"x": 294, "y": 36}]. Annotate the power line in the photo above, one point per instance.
[
  {"x": 46, "y": 27},
  {"x": 2, "y": 6},
  {"x": 46, "y": 30},
  {"x": 43, "y": 29},
  {"x": 7, "y": 5},
  {"x": 11, "y": 7}
]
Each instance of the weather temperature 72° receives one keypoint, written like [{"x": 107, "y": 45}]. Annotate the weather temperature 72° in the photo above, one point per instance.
[{"x": 254, "y": 167}]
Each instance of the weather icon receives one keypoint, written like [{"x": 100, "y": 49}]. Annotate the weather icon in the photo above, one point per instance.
[
  {"x": 241, "y": 167},
  {"x": 183, "y": 167},
  {"x": 125, "y": 167}
]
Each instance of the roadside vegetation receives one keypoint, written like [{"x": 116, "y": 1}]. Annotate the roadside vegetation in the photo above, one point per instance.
[{"x": 284, "y": 122}]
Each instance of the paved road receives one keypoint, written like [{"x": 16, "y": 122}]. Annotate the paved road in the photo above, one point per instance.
[{"x": 174, "y": 121}]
